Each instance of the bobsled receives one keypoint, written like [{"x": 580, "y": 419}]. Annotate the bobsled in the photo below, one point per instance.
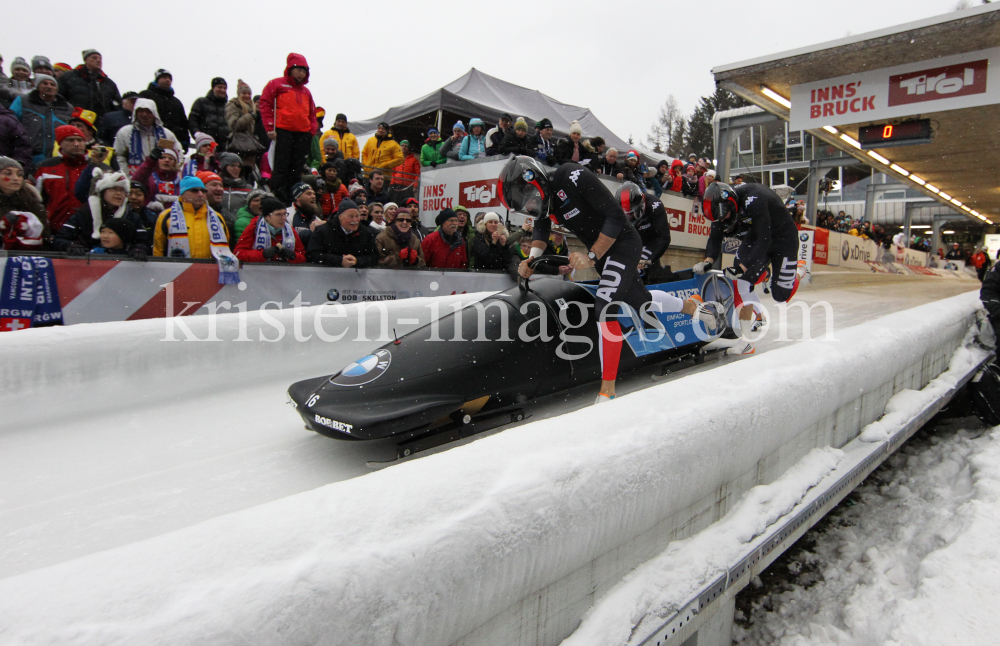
[{"x": 477, "y": 368}]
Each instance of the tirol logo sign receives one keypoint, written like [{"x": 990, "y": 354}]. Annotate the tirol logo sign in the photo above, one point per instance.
[
  {"x": 675, "y": 218},
  {"x": 938, "y": 83},
  {"x": 478, "y": 194}
]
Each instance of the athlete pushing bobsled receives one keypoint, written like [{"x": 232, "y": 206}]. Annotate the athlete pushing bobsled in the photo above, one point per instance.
[
  {"x": 757, "y": 217},
  {"x": 574, "y": 198}
]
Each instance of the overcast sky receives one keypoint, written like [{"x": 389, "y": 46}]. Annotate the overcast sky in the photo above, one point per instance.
[{"x": 620, "y": 59}]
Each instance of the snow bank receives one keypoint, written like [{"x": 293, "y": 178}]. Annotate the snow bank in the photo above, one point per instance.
[
  {"x": 425, "y": 552},
  {"x": 141, "y": 361}
]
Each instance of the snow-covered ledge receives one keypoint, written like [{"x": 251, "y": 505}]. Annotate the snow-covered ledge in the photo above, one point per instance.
[{"x": 506, "y": 540}]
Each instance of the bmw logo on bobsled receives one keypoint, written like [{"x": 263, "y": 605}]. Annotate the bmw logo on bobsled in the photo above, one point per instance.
[{"x": 487, "y": 360}]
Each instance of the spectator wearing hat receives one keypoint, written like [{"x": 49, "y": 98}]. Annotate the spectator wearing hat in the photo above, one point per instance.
[
  {"x": 689, "y": 182},
  {"x": 398, "y": 246},
  {"x": 208, "y": 114},
  {"x": 573, "y": 148},
  {"x": 430, "y": 153},
  {"x": 474, "y": 145},
  {"x": 59, "y": 69},
  {"x": 214, "y": 194},
  {"x": 289, "y": 116},
  {"x": 161, "y": 175},
  {"x": 115, "y": 121},
  {"x": 445, "y": 247},
  {"x": 347, "y": 143},
  {"x": 545, "y": 146},
  {"x": 467, "y": 230},
  {"x": 635, "y": 170},
  {"x": 381, "y": 151},
  {"x": 342, "y": 242},
  {"x": 57, "y": 176},
  {"x": 331, "y": 150},
  {"x": 41, "y": 65},
  {"x": 88, "y": 87},
  {"x": 496, "y": 134},
  {"x": 136, "y": 141},
  {"x": 20, "y": 83},
  {"x": 489, "y": 247},
  {"x": 316, "y": 157},
  {"x": 97, "y": 153},
  {"x": 304, "y": 212},
  {"x": 241, "y": 118},
  {"x": 610, "y": 165},
  {"x": 270, "y": 237},
  {"x": 23, "y": 221},
  {"x": 517, "y": 141},
  {"x": 235, "y": 176},
  {"x": 407, "y": 174},
  {"x": 168, "y": 106},
  {"x": 253, "y": 208},
  {"x": 334, "y": 192},
  {"x": 195, "y": 240},
  {"x": 356, "y": 192},
  {"x": 117, "y": 238},
  {"x": 203, "y": 157},
  {"x": 376, "y": 188},
  {"x": 109, "y": 199},
  {"x": 453, "y": 144},
  {"x": 137, "y": 201},
  {"x": 704, "y": 181},
  {"x": 14, "y": 139}
]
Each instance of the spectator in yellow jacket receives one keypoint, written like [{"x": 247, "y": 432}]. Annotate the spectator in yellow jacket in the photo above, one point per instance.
[
  {"x": 381, "y": 151},
  {"x": 197, "y": 215},
  {"x": 345, "y": 139}
]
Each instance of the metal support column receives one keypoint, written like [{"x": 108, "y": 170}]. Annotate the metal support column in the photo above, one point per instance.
[
  {"x": 936, "y": 225},
  {"x": 812, "y": 192},
  {"x": 873, "y": 191},
  {"x": 907, "y": 220}
]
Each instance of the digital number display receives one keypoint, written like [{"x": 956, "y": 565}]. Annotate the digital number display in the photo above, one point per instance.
[{"x": 886, "y": 135}]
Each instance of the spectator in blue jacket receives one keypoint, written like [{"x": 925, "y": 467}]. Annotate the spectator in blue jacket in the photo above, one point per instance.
[{"x": 474, "y": 145}]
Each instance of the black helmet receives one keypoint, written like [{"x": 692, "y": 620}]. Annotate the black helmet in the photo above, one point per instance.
[
  {"x": 720, "y": 205},
  {"x": 633, "y": 200},
  {"x": 524, "y": 187}
]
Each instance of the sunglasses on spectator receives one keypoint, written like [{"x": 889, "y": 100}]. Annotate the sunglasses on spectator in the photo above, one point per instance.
[
  {"x": 196, "y": 190},
  {"x": 403, "y": 220}
]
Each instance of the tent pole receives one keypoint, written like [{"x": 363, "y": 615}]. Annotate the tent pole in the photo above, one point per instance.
[{"x": 440, "y": 117}]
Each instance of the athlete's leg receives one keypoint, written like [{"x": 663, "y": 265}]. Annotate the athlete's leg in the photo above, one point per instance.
[{"x": 784, "y": 263}]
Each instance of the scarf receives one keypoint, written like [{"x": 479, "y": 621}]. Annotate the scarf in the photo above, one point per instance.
[
  {"x": 402, "y": 239},
  {"x": 576, "y": 152},
  {"x": 263, "y": 238},
  {"x": 166, "y": 190},
  {"x": 454, "y": 240},
  {"x": 29, "y": 296},
  {"x": 135, "y": 153},
  {"x": 177, "y": 233},
  {"x": 97, "y": 213}
]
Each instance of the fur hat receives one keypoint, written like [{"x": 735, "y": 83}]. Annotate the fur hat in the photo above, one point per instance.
[
  {"x": 121, "y": 226},
  {"x": 100, "y": 182},
  {"x": 575, "y": 126}
]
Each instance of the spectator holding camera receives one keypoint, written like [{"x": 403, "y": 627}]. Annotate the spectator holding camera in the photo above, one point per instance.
[
  {"x": 398, "y": 246},
  {"x": 161, "y": 175},
  {"x": 342, "y": 241},
  {"x": 135, "y": 142},
  {"x": 270, "y": 237}
]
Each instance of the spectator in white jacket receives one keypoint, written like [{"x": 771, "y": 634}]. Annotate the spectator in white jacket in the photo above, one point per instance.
[{"x": 134, "y": 142}]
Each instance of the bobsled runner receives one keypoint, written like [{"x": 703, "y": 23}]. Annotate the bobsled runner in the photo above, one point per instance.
[{"x": 476, "y": 368}]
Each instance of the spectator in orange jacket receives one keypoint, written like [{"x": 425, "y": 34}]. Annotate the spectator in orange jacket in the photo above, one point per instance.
[
  {"x": 381, "y": 151},
  {"x": 288, "y": 113},
  {"x": 407, "y": 173},
  {"x": 270, "y": 237}
]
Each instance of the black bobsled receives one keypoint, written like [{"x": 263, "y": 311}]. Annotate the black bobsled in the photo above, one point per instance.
[{"x": 480, "y": 365}]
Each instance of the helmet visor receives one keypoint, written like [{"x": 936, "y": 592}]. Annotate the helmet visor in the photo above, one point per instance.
[{"x": 525, "y": 197}]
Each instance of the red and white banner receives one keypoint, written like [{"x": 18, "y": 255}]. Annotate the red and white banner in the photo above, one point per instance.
[
  {"x": 94, "y": 291},
  {"x": 947, "y": 83},
  {"x": 473, "y": 185}
]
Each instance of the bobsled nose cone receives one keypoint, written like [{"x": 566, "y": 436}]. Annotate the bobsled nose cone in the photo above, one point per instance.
[{"x": 301, "y": 390}]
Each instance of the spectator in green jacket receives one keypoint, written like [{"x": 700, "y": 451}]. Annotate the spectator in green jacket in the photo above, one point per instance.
[
  {"x": 249, "y": 211},
  {"x": 430, "y": 154}
]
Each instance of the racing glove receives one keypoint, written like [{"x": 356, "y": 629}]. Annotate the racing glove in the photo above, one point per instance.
[
  {"x": 701, "y": 267},
  {"x": 286, "y": 253},
  {"x": 732, "y": 273},
  {"x": 270, "y": 253}
]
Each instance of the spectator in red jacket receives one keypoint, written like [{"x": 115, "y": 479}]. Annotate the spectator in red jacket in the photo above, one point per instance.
[
  {"x": 334, "y": 192},
  {"x": 270, "y": 237},
  {"x": 408, "y": 173},
  {"x": 289, "y": 116},
  {"x": 445, "y": 248},
  {"x": 57, "y": 176}
]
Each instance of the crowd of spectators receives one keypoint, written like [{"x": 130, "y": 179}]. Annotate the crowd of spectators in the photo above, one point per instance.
[{"x": 85, "y": 168}]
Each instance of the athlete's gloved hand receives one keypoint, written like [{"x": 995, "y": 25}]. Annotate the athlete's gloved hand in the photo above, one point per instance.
[
  {"x": 286, "y": 253},
  {"x": 701, "y": 267},
  {"x": 732, "y": 273},
  {"x": 270, "y": 252}
]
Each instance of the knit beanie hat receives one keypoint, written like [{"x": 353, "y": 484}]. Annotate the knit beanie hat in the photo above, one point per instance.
[
  {"x": 299, "y": 189},
  {"x": 162, "y": 72},
  {"x": 459, "y": 126},
  {"x": 7, "y": 162},
  {"x": 67, "y": 131},
  {"x": 121, "y": 226},
  {"x": 218, "y": 80},
  {"x": 491, "y": 217},
  {"x": 225, "y": 159},
  {"x": 190, "y": 182},
  {"x": 240, "y": 84},
  {"x": 201, "y": 138},
  {"x": 444, "y": 216},
  {"x": 521, "y": 124},
  {"x": 354, "y": 188},
  {"x": 346, "y": 205},
  {"x": 574, "y": 126},
  {"x": 341, "y": 115},
  {"x": 170, "y": 152},
  {"x": 207, "y": 176},
  {"x": 39, "y": 77},
  {"x": 40, "y": 61},
  {"x": 269, "y": 205},
  {"x": 62, "y": 66},
  {"x": 89, "y": 52},
  {"x": 139, "y": 185},
  {"x": 19, "y": 62},
  {"x": 432, "y": 129},
  {"x": 545, "y": 123}
]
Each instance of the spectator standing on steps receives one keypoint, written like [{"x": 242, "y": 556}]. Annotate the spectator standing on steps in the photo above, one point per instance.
[
  {"x": 208, "y": 114},
  {"x": 168, "y": 107},
  {"x": 288, "y": 113},
  {"x": 88, "y": 87}
]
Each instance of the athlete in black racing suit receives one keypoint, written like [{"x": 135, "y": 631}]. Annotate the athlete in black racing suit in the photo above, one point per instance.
[
  {"x": 756, "y": 216},
  {"x": 576, "y": 199}
]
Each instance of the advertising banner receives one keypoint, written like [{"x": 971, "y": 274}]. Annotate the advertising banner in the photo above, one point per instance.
[
  {"x": 906, "y": 256},
  {"x": 856, "y": 253},
  {"x": 806, "y": 252},
  {"x": 947, "y": 83},
  {"x": 821, "y": 246}
]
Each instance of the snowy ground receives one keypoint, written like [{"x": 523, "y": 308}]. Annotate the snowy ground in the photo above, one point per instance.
[
  {"x": 90, "y": 483},
  {"x": 911, "y": 557}
]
